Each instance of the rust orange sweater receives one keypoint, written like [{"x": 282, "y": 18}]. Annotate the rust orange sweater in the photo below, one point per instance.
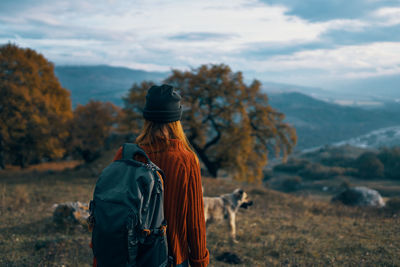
[{"x": 183, "y": 202}]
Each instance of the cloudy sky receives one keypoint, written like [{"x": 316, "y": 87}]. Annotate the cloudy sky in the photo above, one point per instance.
[{"x": 319, "y": 43}]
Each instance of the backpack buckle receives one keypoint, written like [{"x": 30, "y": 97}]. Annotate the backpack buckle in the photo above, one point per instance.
[
  {"x": 163, "y": 229},
  {"x": 147, "y": 232}
]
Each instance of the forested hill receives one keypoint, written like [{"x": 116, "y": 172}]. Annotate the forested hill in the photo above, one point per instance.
[
  {"x": 319, "y": 123},
  {"x": 101, "y": 82}
]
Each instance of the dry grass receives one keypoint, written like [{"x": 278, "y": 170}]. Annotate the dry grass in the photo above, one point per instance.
[
  {"x": 281, "y": 229},
  {"x": 28, "y": 237},
  {"x": 55, "y": 166},
  {"x": 278, "y": 230}
]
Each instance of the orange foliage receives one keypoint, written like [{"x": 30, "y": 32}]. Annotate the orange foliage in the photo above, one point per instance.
[
  {"x": 91, "y": 126},
  {"x": 34, "y": 108}
]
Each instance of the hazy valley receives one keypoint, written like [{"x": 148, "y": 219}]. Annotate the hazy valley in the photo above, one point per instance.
[{"x": 314, "y": 112}]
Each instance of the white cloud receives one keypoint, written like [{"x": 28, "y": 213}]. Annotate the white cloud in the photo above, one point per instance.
[
  {"x": 356, "y": 61},
  {"x": 387, "y": 16},
  {"x": 154, "y": 21},
  {"x": 151, "y": 35},
  {"x": 346, "y": 24},
  {"x": 140, "y": 33}
]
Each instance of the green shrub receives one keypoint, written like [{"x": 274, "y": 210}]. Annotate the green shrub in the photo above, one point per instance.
[
  {"x": 316, "y": 171},
  {"x": 369, "y": 166},
  {"x": 268, "y": 174},
  {"x": 393, "y": 205},
  {"x": 338, "y": 161},
  {"x": 350, "y": 172},
  {"x": 344, "y": 182},
  {"x": 291, "y": 184},
  {"x": 390, "y": 157},
  {"x": 292, "y": 166}
]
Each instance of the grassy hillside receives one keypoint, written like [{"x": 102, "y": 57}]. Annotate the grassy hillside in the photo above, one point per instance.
[
  {"x": 327, "y": 171},
  {"x": 279, "y": 229}
]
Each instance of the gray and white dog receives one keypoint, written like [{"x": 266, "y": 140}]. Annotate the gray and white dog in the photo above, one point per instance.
[{"x": 225, "y": 207}]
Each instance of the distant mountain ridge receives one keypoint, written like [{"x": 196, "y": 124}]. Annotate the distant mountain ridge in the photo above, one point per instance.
[
  {"x": 319, "y": 123},
  {"x": 386, "y": 137},
  {"x": 102, "y": 82},
  {"x": 356, "y": 98}
]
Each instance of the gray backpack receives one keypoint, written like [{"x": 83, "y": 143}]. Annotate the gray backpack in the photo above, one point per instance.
[{"x": 127, "y": 213}]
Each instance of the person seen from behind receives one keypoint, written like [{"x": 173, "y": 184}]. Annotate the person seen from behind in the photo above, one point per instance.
[{"x": 164, "y": 141}]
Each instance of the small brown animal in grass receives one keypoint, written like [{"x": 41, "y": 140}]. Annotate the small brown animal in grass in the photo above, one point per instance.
[{"x": 71, "y": 213}]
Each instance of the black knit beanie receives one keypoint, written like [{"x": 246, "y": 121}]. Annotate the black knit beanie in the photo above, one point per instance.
[{"x": 163, "y": 104}]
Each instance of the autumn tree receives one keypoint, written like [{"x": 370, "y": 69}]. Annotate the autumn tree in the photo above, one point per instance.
[
  {"x": 229, "y": 124},
  {"x": 131, "y": 119},
  {"x": 90, "y": 127},
  {"x": 34, "y": 108}
]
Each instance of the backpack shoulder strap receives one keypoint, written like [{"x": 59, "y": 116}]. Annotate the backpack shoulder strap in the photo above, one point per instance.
[{"x": 129, "y": 150}]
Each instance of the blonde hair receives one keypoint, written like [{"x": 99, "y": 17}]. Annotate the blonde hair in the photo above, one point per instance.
[{"x": 157, "y": 135}]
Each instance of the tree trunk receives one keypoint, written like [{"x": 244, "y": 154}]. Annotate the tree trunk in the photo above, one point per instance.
[
  {"x": 2, "y": 165},
  {"x": 21, "y": 161},
  {"x": 212, "y": 167}
]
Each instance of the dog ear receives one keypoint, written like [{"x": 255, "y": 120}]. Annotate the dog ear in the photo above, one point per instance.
[{"x": 239, "y": 192}]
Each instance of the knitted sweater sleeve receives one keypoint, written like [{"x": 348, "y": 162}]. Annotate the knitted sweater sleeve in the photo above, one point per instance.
[
  {"x": 196, "y": 226},
  {"x": 118, "y": 155}
]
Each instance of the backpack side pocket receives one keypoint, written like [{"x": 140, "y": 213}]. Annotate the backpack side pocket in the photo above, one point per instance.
[{"x": 133, "y": 239}]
